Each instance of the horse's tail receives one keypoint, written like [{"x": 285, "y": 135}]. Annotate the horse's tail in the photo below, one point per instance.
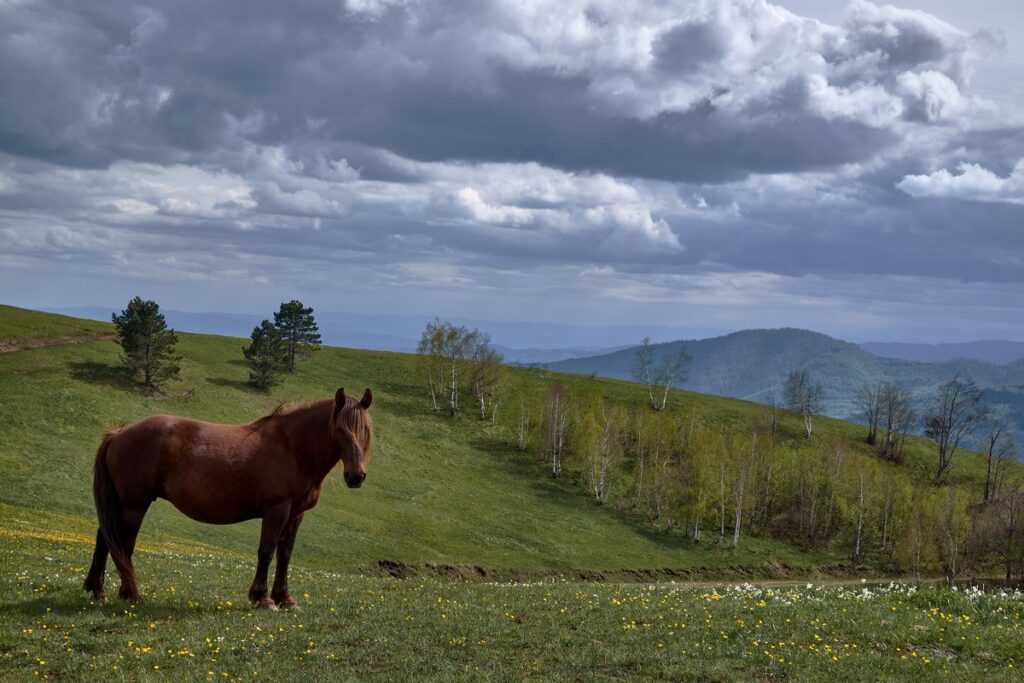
[{"x": 109, "y": 511}]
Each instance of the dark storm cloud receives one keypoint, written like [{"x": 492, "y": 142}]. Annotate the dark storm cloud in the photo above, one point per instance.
[
  {"x": 97, "y": 82},
  {"x": 413, "y": 142},
  {"x": 688, "y": 45}
]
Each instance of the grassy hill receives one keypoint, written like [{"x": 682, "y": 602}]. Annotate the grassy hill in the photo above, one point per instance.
[
  {"x": 753, "y": 364},
  {"x": 440, "y": 490},
  {"x": 448, "y": 491}
]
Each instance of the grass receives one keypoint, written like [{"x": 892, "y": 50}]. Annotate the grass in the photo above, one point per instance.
[
  {"x": 194, "y": 626},
  {"x": 440, "y": 490},
  {"x": 19, "y": 325},
  {"x": 448, "y": 492}
]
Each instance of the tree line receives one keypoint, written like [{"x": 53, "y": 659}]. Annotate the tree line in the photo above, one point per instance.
[
  {"x": 680, "y": 469},
  {"x": 677, "y": 468},
  {"x": 148, "y": 345}
]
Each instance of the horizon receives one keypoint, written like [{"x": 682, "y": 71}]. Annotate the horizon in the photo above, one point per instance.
[
  {"x": 852, "y": 168},
  {"x": 86, "y": 311}
]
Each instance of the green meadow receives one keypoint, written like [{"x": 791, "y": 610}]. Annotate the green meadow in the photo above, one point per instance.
[{"x": 499, "y": 558}]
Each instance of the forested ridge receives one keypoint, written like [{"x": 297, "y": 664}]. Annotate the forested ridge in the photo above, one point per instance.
[{"x": 753, "y": 365}]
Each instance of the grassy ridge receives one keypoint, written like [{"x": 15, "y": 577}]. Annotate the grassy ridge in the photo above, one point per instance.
[
  {"x": 19, "y": 327},
  {"x": 439, "y": 490}
]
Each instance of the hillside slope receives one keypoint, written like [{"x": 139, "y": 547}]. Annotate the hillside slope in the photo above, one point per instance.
[
  {"x": 440, "y": 490},
  {"x": 753, "y": 365}
]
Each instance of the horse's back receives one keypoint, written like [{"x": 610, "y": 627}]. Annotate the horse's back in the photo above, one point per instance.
[{"x": 189, "y": 462}]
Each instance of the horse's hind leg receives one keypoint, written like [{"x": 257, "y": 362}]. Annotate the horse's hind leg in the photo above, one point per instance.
[
  {"x": 132, "y": 522},
  {"x": 98, "y": 570}
]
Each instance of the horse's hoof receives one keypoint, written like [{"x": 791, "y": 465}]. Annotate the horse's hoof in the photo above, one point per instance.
[
  {"x": 99, "y": 596},
  {"x": 289, "y": 603},
  {"x": 267, "y": 604}
]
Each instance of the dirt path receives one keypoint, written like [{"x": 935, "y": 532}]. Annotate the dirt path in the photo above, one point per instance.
[{"x": 12, "y": 345}]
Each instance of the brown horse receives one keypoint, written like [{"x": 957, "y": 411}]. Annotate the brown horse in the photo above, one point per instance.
[{"x": 272, "y": 468}]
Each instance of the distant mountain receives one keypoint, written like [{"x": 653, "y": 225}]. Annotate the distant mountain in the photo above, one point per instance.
[
  {"x": 997, "y": 351},
  {"x": 753, "y": 365},
  {"x": 543, "y": 356}
]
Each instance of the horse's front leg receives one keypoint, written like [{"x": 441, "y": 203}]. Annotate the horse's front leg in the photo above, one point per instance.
[
  {"x": 274, "y": 520},
  {"x": 284, "y": 555}
]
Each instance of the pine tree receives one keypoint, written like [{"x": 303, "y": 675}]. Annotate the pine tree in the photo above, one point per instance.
[
  {"x": 298, "y": 329},
  {"x": 148, "y": 344},
  {"x": 267, "y": 355}
]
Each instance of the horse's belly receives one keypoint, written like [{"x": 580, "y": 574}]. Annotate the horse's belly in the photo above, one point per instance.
[
  {"x": 211, "y": 512},
  {"x": 214, "y": 489}
]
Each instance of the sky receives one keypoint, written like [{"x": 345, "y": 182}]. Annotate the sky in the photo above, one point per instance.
[{"x": 848, "y": 167}]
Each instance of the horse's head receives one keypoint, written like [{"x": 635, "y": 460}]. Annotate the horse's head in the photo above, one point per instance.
[{"x": 352, "y": 430}]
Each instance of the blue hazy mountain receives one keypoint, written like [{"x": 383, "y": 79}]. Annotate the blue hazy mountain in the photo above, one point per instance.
[
  {"x": 999, "y": 351},
  {"x": 753, "y": 365}
]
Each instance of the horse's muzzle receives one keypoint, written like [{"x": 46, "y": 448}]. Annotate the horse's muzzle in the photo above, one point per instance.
[{"x": 355, "y": 479}]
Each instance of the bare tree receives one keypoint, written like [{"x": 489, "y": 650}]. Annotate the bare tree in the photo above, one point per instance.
[
  {"x": 1008, "y": 511},
  {"x": 445, "y": 349},
  {"x": 662, "y": 376},
  {"x": 486, "y": 374},
  {"x": 555, "y": 426},
  {"x": 869, "y": 406},
  {"x": 432, "y": 360},
  {"x": 662, "y": 449},
  {"x": 803, "y": 397},
  {"x": 608, "y": 453},
  {"x": 955, "y": 414},
  {"x": 773, "y": 414},
  {"x": 1001, "y": 448},
  {"x": 897, "y": 414},
  {"x": 744, "y": 460},
  {"x": 524, "y": 422},
  {"x": 954, "y": 528},
  {"x": 858, "y": 549}
]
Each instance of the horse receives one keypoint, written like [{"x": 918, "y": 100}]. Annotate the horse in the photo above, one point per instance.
[{"x": 272, "y": 468}]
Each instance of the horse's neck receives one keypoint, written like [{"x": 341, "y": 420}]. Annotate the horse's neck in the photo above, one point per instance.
[{"x": 309, "y": 433}]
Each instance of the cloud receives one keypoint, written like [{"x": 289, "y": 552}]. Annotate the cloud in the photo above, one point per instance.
[
  {"x": 712, "y": 147},
  {"x": 694, "y": 91},
  {"x": 973, "y": 182}
]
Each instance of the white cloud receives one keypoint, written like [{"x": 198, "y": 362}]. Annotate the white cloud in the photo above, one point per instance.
[
  {"x": 481, "y": 211},
  {"x": 973, "y": 182}
]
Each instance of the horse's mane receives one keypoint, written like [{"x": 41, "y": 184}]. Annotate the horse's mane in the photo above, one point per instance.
[
  {"x": 288, "y": 407},
  {"x": 291, "y": 407}
]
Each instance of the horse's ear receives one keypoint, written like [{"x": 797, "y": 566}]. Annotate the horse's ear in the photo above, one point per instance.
[
  {"x": 339, "y": 398},
  {"x": 367, "y": 398}
]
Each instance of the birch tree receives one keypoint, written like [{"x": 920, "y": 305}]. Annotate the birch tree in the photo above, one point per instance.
[
  {"x": 660, "y": 376},
  {"x": 804, "y": 397},
  {"x": 487, "y": 374},
  {"x": 445, "y": 349},
  {"x": 432, "y": 366},
  {"x": 555, "y": 427}
]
